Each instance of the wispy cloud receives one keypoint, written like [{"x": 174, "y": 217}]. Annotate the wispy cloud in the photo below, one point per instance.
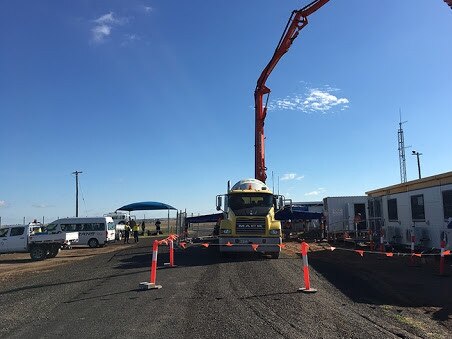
[
  {"x": 104, "y": 25},
  {"x": 110, "y": 19},
  {"x": 2, "y": 203},
  {"x": 130, "y": 38},
  {"x": 42, "y": 206},
  {"x": 291, "y": 176},
  {"x": 318, "y": 191},
  {"x": 147, "y": 9},
  {"x": 319, "y": 100}
]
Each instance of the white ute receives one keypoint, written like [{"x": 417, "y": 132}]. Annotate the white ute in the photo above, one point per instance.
[{"x": 17, "y": 239}]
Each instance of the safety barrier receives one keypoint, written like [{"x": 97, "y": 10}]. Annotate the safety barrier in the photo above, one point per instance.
[
  {"x": 412, "y": 255},
  {"x": 170, "y": 264},
  {"x": 151, "y": 285},
  {"x": 304, "y": 252},
  {"x": 304, "y": 247}
]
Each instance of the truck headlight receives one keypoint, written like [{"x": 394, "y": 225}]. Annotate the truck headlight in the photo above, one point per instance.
[
  {"x": 274, "y": 232},
  {"x": 225, "y": 231}
]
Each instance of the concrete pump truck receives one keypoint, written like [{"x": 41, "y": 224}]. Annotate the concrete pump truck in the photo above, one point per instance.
[
  {"x": 249, "y": 222},
  {"x": 249, "y": 207}
]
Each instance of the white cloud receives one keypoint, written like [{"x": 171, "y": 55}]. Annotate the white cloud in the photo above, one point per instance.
[
  {"x": 318, "y": 191},
  {"x": 314, "y": 100},
  {"x": 291, "y": 176},
  {"x": 148, "y": 9},
  {"x": 42, "y": 206},
  {"x": 100, "y": 32},
  {"x": 2, "y": 203},
  {"x": 104, "y": 26},
  {"x": 109, "y": 19},
  {"x": 130, "y": 38}
]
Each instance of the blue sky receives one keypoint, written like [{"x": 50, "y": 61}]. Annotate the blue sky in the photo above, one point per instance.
[{"x": 153, "y": 100}]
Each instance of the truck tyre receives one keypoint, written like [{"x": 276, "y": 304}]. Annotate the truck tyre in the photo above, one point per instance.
[
  {"x": 53, "y": 251},
  {"x": 93, "y": 243},
  {"x": 38, "y": 252},
  {"x": 274, "y": 255}
]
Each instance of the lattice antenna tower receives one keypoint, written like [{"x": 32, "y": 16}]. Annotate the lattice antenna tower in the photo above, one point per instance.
[{"x": 402, "y": 160}]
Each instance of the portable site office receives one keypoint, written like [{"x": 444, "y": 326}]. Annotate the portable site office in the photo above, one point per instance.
[{"x": 421, "y": 207}]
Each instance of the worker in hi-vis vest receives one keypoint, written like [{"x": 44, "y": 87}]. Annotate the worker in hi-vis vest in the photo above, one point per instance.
[{"x": 135, "y": 230}]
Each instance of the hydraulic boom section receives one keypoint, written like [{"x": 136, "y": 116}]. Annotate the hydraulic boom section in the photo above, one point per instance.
[{"x": 297, "y": 21}]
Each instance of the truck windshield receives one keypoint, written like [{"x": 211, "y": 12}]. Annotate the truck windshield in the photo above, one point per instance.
[{"x": 250, "y": 204}]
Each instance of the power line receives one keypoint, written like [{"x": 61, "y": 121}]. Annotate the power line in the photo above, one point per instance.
[{"x": 83, "y": 198}]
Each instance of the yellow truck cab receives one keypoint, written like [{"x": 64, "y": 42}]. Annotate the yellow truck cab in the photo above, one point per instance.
[{"x": 249, "y": 210}]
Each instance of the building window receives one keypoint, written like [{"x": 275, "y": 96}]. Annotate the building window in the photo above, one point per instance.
[
  {"x": 392, "y": 210},
  {"x": 447, "y": 204},
  {"x": 417, "y": 207}
]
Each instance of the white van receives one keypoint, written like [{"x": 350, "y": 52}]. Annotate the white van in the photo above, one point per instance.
[{"x": 94, "y": 232}]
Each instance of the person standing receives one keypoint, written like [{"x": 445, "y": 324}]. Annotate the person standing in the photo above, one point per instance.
[
  {"x": 143, "y": 227},
  {"x": 157, "y": 227},
  {"x": 135, "y": 230},
  {"x": 126, "y": 233}
]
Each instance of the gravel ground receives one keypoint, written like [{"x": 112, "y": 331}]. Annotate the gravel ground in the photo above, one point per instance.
[{"x": 211, "y": 296}]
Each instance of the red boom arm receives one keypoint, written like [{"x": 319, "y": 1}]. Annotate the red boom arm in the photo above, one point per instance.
[{"x": 296, "y": 22}]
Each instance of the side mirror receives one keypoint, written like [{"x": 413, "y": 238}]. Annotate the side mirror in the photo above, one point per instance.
[
  {"x": 219, "y": 202},
  {"x": 280, "y": 202}
]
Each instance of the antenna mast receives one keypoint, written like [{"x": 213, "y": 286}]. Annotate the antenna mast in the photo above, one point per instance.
[{"x": 402, "y": 160}]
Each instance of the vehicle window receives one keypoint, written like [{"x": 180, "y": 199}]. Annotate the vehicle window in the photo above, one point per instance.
[
  {"x": 79, "y": 227},
  {"x": 87, "y": 227},
  {"x": 51, "y": 227},
  {"x": 111, "y": 226},
  {"x": 250, "y": 204},
  {"x": 3, "y": 232},
  {"x": 98, "y": 226},
  {"x": 15, "y": 231},
  {"x": 68, "y": 227}
]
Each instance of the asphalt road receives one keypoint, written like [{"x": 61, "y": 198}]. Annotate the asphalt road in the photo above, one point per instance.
[{"x": 206, "y": 296}]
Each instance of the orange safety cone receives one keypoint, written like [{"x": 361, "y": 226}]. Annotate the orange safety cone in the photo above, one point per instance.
[
  {"x": 151, "y": 285},
  {"x": 307, "y": 283},
  {"x": 170, "y": 264}
]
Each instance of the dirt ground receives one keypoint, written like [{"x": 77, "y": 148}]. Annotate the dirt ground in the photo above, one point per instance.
[
  {"x": 413, "y": 293},
  {"x": 15, "y": 264}
]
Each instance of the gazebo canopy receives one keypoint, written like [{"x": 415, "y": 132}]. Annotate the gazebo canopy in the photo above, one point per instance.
[{"x": 146, "y": 206}]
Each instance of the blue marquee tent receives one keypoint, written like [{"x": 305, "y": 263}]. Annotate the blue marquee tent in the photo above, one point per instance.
[{"x": 146, "y": 206}]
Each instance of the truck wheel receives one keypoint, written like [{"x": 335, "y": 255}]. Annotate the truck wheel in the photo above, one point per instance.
[
  {"x": 53, "y": 251},
  {"x": 93, "y": 243},
  {"x": 38, "y": 253},
  {"x": 274, "y": 255}
]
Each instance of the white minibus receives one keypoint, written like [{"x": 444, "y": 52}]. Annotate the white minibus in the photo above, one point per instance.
[{"x": 94, "y": 231}]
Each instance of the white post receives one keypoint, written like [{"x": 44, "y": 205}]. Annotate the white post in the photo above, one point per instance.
[{"x": 168, "y": 220}]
